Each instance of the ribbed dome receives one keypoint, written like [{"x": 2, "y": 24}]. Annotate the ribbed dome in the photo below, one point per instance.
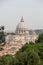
[{"x": 21, "y": 27}]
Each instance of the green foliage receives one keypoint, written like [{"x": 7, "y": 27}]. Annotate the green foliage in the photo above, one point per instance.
[
  {"x": 2, "y": 37},
  {"x": 15, "y": 61},
  {"x": 6, "y": 60},
  {"x": 33, "y": 58},
  {"x": 30, "y": 58},
  {"x": 1, "y": 61},
  {"x": 2, "y": 27},
  {"x": 41, "y": 52},
  {"x": 30, "y": 54},
  {"x": 22, "y": 58},
  {"x": 40, "y": 39}
]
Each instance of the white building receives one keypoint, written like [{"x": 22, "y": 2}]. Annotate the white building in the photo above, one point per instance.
[
  {"x": 21, "y": 34},
  {"x": 14, "y": 41}
]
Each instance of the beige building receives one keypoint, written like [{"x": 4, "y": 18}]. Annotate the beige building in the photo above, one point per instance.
[{"x": 21, "y": 36}]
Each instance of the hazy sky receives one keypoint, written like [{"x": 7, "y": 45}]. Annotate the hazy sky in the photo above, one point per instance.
[{"x": 11, "y": 12}]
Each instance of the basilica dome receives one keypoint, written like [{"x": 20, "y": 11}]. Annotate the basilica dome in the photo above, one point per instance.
[{"x": 22, "y": 27}]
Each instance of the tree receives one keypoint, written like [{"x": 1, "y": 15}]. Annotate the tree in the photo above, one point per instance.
[
  {"x": 2, "y": 27},
  {"x": 2, "y": 36},
  {"x": 1, "y": 63},
  {"x": 15, "y": 61},
  {"x": 40, "y": 39},
  {"x": 41, "y": 52},
  {"x": 7, "y": 60},
  {"x": 33, "y": 58}
]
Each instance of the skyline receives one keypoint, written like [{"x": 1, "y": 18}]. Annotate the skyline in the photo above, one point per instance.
[{"x": 11, "y": 12}]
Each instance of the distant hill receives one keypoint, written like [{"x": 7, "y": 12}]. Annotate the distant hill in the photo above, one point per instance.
[{"x": 39, "y": 31}]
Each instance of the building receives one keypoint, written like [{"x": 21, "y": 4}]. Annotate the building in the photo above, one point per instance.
[
  {"x": 14, "y": 41},
  {"x": 22, "y": 34}
]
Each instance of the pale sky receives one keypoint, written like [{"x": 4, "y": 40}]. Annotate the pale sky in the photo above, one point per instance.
[{"x": 11, "y": 12}]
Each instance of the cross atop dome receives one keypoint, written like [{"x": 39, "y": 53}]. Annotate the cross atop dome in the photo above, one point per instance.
[{"x": 22, "y": 20}]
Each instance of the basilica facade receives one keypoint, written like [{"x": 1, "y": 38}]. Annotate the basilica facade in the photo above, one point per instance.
[{"x": 16, "y": 40}]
